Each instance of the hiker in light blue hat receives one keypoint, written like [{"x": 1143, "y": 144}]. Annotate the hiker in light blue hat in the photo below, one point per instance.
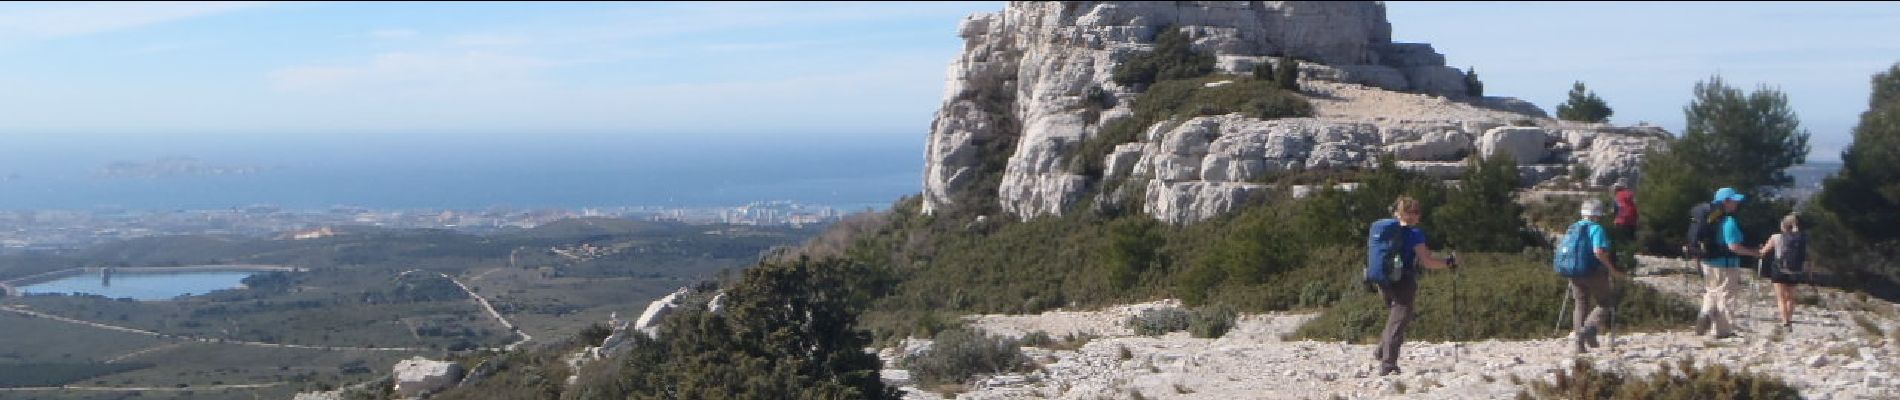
[{"x": 1721, "y": 263}]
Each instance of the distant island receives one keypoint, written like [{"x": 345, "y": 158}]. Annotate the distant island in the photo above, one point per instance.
[{"x": 174, "y": 166}]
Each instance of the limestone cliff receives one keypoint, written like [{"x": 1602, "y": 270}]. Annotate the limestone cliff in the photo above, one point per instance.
[{"x": 1015, "y": 109}]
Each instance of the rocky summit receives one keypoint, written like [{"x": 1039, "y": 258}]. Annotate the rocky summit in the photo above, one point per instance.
[{"x": 1021, "y": 90}]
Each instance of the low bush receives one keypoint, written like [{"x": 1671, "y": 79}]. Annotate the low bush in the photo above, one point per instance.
[
  {"x": 1211, "y": 321},
  {"x": 1159, "y": 321},
  {"x": 1686, "y": 381},
  {"x": 957, "y": 355}
]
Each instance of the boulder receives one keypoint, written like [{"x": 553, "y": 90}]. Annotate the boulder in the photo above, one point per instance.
[
  {"x": 1526, "y": 144},
  {"x": 418, "y": 376}
]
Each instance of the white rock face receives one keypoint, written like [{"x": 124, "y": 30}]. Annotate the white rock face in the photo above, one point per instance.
[
  {"x": 1023, "y": 97},
  {"x": 649, "y": 322},
  {"x": 419, "y": 376}
]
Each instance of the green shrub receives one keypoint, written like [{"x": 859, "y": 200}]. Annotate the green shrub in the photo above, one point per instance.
[
  {"x": 1211, "y": 322},
  {"x": 1173, "y": 57},
  {"x": 1159, "y": 321},
  {"x": 957, "y": 355},
  {"x": 1687, "y": 381},
  {"x": 1287, "y": 76},
  {"x": 1502, "y": 296}
]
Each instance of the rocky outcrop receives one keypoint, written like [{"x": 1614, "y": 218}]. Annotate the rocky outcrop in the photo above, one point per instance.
[
  {"x": 649, "y": 322},
  {"x": 419, "y": 376},
  {"x": 1033, "y": 84}
]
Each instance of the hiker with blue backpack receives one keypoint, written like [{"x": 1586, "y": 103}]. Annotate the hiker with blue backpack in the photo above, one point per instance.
[
  {"x": 1394, "y": 249},
  {"x": 1585, "y": 259},
  {"x": 1790, "y": 251}
]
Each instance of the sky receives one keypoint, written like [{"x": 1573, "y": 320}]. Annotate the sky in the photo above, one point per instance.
[{"x": 827, "y": 71}]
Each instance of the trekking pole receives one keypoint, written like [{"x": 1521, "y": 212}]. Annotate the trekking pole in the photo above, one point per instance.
[{"x": 1563, "y": 307}]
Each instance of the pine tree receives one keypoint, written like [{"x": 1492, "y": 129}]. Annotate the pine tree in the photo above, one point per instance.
[
  {"x": 1861, "y": 203},
  {"x": 1584, "y": 106},
  {"x": 1745, "y": 141},
  {"x": 1473, "y": 87}
]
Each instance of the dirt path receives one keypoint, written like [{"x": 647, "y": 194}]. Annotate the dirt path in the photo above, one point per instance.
[{"x": 1831, "y": 354}]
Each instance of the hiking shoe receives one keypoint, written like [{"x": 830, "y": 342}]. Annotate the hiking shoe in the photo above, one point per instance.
[
  {"x": 1388, "y": 369},
  {"x": 1727, "y": 335},
  {"x": 1702, "y": 324},
  {"x": 1589, "y": 338},
  {"x": 1577, "y": 347}
]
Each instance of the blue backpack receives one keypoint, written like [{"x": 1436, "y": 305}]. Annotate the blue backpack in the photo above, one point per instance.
[
  {"x": 1575, "y": 258},
  {"x": 1384, "y": 243}
]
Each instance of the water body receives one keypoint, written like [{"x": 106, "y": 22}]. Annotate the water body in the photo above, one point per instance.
[{"x": 141, "y": 285}]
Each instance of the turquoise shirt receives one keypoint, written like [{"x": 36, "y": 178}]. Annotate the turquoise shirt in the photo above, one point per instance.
[
  {"x": 1598, "y": 239},
  {"x": 1731, "y": 235}
]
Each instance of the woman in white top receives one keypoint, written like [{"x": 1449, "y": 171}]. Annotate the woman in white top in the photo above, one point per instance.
[{"x": 1785, "y": 280}]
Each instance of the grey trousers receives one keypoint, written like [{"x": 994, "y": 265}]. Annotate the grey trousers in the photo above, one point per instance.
[
  {"x": 1399, "y": 297},
  {"x": 1592, "y": 292}
]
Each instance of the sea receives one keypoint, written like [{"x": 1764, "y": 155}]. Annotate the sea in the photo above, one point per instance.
[
  {"x": 478, "y": 171},
  {"x": 439, "y": 171}
]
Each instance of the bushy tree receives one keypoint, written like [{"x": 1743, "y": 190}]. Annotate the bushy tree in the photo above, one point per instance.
[
  {"x": 1584, "y": 106},
  {"x": 786, "y": 332},
  {"x": 1173, "y": 58},
  {"x": 1287, "y": 75},
  {"x": 1745, "y": 141},
  {"x": 1263, "y": 71},
  {"x": 1481, "y": 214},
  {"x": 1473, "y": 87},
  {"x": 1859, "y": 207}
]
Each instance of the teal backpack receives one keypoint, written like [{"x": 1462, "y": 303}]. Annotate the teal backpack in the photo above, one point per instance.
[{"x": 1575, "y": 258}]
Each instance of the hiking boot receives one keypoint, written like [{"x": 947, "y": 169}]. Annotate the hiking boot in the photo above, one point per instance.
[
  {"x": 1702, "y": 324},
  {"x": 1577, "y": 347},
  {"x": 1588, "y": 337},
  {"x": 1388, "y": 369},
  {"x": 1726, "y": 335}
]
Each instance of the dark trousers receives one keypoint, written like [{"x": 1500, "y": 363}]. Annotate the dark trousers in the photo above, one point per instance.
[
  {"x": 1592, "y": 292},
  {"x": 1399, "y": 297}
]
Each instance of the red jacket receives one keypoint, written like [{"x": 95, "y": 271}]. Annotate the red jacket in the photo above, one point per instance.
[{"x": 1625, "y": 207}]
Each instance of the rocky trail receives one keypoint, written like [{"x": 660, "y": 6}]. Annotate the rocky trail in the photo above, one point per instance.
[{"x": 1839, "y": 349}]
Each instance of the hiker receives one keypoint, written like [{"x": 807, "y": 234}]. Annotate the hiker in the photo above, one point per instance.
[
  {"x": 1624, "y": 232},
  {"x": 1585, "y": 259},
  {"x": 1395, "y": 248},
  {"x": 1790, "y": 248},
  {"x": 1719, "y": 238}
]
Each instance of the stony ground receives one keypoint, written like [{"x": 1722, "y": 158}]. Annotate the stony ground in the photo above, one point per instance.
[{"x": 1829, "y": 355}]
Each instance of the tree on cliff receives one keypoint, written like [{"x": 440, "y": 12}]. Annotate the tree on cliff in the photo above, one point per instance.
[
  {"x": 1173, "y": 58},
  {"x": 1744, "y": 141},
  {"x": 1858, "y": 209},
  {"x": 1473, "y": 86},
  {"x": 1583, "y": 106}
]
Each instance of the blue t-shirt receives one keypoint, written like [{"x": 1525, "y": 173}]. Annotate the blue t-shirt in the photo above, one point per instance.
[
  {"x": 1408, "y": 253},
  {"x": 1598, "y": 238},
  {"x": 1731, "y": 235}
]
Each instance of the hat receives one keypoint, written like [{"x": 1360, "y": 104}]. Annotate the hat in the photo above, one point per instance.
[
  {"x": 1726, "y": 194},
  {"x": 1592, "y": 208}
]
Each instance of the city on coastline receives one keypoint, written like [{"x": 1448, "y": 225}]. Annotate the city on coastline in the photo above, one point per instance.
[{"x": 71, "y": 229}]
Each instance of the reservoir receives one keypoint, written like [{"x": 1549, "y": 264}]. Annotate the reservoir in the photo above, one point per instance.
[{"x": 143, "y": 285}]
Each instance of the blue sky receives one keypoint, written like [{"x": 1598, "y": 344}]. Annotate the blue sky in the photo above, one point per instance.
[{"x": 847, "y": 71}]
